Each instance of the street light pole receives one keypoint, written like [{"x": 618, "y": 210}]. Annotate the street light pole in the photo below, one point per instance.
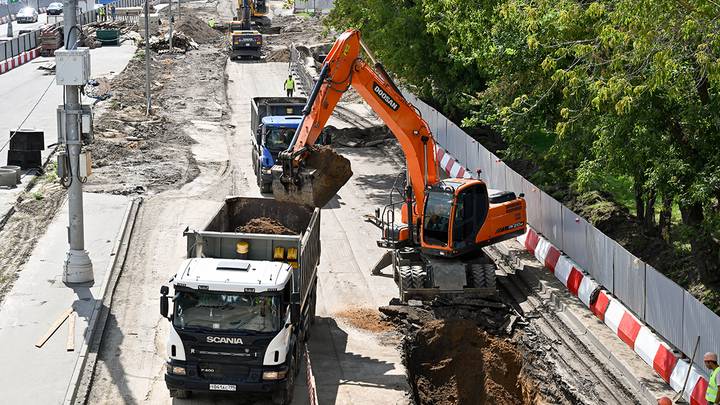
[
  {"x": 148, "y": 107},
  {"x": 9, "y": 23},
  {"x": 171, "y": 25},
  {"x": 78, "y": 267}
]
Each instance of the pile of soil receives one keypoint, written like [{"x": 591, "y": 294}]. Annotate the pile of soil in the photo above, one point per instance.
[
  {"x": 454, "y": 362},
  {"x": 197, "y": 29},
  {"x": 366, "y": 318},
  {"x": 357, "y": 137},
  {"x": 181, "y": 43},
  {"x": 333, "y": 172},
  {"x": 265, "y": 225}
]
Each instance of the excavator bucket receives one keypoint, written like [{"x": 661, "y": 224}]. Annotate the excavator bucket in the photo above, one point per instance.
[{"x": 324, "y": 172}]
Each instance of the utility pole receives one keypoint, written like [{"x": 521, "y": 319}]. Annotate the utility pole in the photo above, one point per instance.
[
  {"x": 148, "y": 107},
  {"x": 171, "y": 25},
  {"x": 9, "y": 23},
  {"x": 78, "y": 267}
]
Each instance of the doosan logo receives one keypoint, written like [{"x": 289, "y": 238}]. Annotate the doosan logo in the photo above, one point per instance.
[
  {"x": 385, "y": 97},
  {"x": 227, "y": 340}
]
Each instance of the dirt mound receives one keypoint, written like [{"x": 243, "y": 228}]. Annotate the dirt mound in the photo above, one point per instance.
[
  {"x": 265, "y": 225},
  {"x": 279, "y": 54},
  {"x": 197, "y": 29},
  {"x": 366, "y": 318},
  {"x": 356, "y": 137},
  {"x": 454, "y": 362}
]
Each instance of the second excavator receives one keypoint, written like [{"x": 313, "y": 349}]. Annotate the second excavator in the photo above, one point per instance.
[{"x": 436, "y": 247}]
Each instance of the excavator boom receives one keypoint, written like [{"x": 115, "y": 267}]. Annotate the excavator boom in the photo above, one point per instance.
[{"x": 324, "y": 176}]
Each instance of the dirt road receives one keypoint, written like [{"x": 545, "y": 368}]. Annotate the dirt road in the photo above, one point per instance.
[{"x": 352, "y": 365}]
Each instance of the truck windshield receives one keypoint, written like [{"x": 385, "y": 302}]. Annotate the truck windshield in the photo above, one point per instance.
[
  {"x": 437, "y": 217},
  {"x": 278, "y": 138},
  {"x": 227, "y": 311}
]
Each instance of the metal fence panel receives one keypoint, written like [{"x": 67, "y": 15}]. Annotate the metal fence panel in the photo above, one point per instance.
[
  {"x": 14, "y": 47},
  {"x": 3, "y": 51},
  {"x": 601, "y": 252},
  {"x": 698, "y": 320},
  {"x": 492, "y": 173},
  {"x": 514, "y": 181},
  {"x": 629, "y": 280},
  {"x": 664, "y": 306},
  {"x": 574, "y": 237},
  {"x": 551, "y": 218},
  {"x": 532, "y": 199}
]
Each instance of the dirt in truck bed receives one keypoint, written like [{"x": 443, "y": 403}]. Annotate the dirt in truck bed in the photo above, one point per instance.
[{"x": 265, "y": 226}]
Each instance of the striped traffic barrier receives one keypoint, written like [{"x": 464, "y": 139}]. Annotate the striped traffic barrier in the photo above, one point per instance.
[
  {"x": 542, "y": 249},
  {"x": 696, "y": 385},
  {"x": 15, "y": 61},
  {"x": 588, "y": 291},
  {"x": 450, "y": 165},
  {"x": 622, "y": 322},
  {"x": 600, "y": 306},
  {"x": 655, "y": 353}
]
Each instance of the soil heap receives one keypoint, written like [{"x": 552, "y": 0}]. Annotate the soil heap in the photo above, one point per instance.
[{"x": 265, "y": 225}]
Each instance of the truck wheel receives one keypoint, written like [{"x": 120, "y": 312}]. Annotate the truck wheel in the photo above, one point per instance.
[
  {"x": 180, "y": 394},
  {"x": 266, "y": 188},
  {"x": 419, "y": 275},
  {"x": 285, "y": 396}
]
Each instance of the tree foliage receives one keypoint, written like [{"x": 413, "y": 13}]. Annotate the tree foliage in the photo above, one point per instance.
[{"x": 623, "y": 88}]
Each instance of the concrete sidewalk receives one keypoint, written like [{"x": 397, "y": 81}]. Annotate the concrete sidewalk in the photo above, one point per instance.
[{"x": 31, "y": 375}]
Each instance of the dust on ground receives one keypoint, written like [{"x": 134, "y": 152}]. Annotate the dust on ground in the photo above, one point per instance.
[
  {"x": 367, "y": 319},
  {"x": 265, "y": 225},
  {"x": 136, "y": 154}
]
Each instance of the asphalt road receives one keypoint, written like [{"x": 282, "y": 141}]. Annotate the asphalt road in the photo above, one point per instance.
[{"x": 17, "y": 27}]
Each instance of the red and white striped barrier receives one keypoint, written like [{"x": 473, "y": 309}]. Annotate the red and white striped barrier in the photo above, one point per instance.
[
  {"x": 450, "y": 165},
  {"x": 696, "y": 383},
  {"x": 12, "y": 63},
  {"x": 310, "y": 377},
  {"x": 648, "y": 346},
  {"x": 655, "y": 353}
]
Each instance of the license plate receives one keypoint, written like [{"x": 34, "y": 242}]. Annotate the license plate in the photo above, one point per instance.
[{"x": 223, "y": 387}]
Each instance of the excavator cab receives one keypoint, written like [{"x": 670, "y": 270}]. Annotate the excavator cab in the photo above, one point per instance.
[{"x": 455, "y": 210}]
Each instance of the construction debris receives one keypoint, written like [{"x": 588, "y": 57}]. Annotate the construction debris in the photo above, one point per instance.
[
  {"x": 181, "y": 43},
  {"x": 51, "y": 39},
  {"x": 54, "y": 327}
]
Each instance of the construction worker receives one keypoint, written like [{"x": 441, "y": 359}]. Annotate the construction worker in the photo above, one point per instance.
[
  {"x": 101, "y": 12},
  {"x": 664, "y": 401},
  {"x": 211, "y": 23},
  {"x": 113, "y": 12},
  {"x": 711, "y": 362},
  {"x": 289, "y": 86}
]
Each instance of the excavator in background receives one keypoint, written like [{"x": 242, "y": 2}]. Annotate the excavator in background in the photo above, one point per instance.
[
  {"x": 244, "y": 40},
  {"x": 436, "y": 247},
  {"x": 258, "y": 11}
]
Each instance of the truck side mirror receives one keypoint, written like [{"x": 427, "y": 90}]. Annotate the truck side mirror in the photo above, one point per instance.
[
  {"x": 295, "y": 307},
  {"x": 164, "y": 301}
]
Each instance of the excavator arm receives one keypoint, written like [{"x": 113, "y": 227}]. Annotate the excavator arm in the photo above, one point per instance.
[{"x": 343, "y": 68}]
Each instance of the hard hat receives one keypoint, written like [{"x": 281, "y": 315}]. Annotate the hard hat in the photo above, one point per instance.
[
  {"x": 710, "y": 356},
  {"x": 664, "y": 401}
]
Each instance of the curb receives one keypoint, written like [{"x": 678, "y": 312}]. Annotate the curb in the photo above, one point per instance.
[
  {"x": 81, "y": 380},
  {"x": 10, "y": 64}
]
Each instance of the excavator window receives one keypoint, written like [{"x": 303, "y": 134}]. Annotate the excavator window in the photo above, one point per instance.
[
  {"x": 470, "y": 212},
  {"x": 437, "y": 217}
]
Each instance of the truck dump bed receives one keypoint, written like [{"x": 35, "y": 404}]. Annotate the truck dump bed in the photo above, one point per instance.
[
  {"x": 262, "y": 107},
  {"x": 219, "y": 238}
]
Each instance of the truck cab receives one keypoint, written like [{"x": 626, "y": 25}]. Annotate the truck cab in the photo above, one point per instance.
[
  {"x": 231, "y": 327},
  {"x": 271, "y": 137}
]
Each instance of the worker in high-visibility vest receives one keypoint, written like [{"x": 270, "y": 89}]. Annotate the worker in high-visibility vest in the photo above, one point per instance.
[
  {"x": 711, "y": 362},
  {"x": 289, "y": 86}
]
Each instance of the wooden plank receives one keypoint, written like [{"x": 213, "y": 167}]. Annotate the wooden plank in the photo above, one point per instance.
[
  {"x": 54, "y": 327},
  {"x": 70, "y": 344}
]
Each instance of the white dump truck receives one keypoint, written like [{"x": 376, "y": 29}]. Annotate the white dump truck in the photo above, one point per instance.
[{"x": 241, "y": 304}]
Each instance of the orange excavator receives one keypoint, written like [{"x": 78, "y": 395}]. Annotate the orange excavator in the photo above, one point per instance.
[{"x": 436, "y": 248}]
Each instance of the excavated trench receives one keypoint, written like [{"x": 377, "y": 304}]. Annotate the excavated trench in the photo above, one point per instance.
[{"x": 455, "y": 362}]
